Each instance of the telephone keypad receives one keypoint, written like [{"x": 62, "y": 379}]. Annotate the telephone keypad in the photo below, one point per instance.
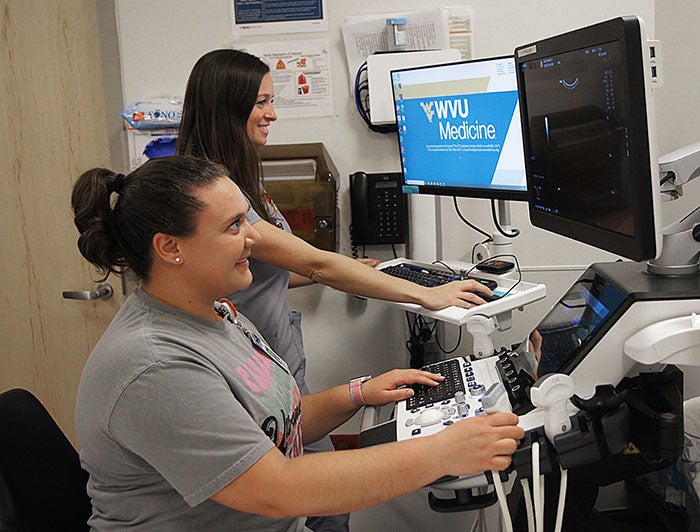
[{"x": 388, "y": 215}]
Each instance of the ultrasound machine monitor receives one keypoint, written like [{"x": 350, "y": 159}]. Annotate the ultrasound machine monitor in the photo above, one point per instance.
[
  {"x": 589, "y": 137},
  {"x": 459, "y": 129},
  {"x": 589, "y": 145}
]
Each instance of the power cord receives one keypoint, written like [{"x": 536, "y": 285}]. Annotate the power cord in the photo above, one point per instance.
[
  {"x": 461, "y": 217},
  {"x": 446, "y": 266},
  {"x": 517, "y": 268},
  {"x": 497, "y": 223},
  {"x": 420, "y": 333},
  {"x": 444, "y": 350},
  {"x": 362, "y": 102}
]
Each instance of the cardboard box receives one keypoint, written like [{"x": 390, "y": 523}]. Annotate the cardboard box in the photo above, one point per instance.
[{"x": 301, "y": 179}]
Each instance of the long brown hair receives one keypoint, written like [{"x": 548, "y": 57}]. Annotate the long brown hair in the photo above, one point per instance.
[{"x": 221, "y": 92}]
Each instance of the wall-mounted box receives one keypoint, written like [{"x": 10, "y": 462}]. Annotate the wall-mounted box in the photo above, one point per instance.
[
  {"x": 301, "y": 179},
  {"x": 379, "y": 67}
]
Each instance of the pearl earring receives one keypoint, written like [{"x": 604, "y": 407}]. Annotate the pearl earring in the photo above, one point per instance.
[{"x": 177, "y": 259}]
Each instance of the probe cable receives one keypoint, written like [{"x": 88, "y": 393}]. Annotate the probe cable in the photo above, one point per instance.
[
  {"x": 536, "y": 521},
  {"x": 502, "y": 501}
]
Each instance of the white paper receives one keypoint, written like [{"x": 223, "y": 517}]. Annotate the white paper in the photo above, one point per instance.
[
  {"x": 301, "y": 75},
  {"x": 428, "y": 29},
  {"x": 274, "y": 28},
  {"x": 460, "y": 27}
]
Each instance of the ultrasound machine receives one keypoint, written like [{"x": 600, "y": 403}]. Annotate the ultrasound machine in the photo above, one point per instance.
[{"x": 596, "y": 384}]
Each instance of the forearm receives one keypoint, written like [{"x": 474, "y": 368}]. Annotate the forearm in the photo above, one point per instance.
[
  {"x": 332, "y": 269},
  {"x": 324, "y": 411},
  {"x": 347, "y": 481},
  {"x": 331, "y": 483},
  {"x": 346, "y": 274},
  {"x": 343, "y": 273}
]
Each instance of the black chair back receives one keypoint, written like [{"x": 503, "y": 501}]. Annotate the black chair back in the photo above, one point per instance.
[{"x": 42, "y": 486}]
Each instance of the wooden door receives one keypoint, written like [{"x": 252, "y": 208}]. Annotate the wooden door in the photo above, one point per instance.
[{"x": 52, "y": 128}]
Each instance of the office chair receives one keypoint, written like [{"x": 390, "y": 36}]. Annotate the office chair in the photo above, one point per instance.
[{"x": 42, "y": 486}]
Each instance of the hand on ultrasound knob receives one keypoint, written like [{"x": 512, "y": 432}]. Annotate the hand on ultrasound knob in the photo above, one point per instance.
[
  {"x": 390, "y": 387},
  {"x": 457, "y": 293},
  {"x": 479, "y": 444}
]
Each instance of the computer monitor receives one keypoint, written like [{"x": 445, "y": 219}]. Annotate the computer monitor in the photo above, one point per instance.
[
  {"x": 459, "y": 129},
  {"x": 589, "y": 137}
]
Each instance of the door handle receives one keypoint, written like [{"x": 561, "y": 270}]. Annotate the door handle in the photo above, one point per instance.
[{"x": 104, "y": 291}]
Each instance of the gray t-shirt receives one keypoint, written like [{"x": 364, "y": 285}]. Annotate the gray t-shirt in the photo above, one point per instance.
[
  {"x": 172, "y": 408},
  {"x": 265, "y": 303}
]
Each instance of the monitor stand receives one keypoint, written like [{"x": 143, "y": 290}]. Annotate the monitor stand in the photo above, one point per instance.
[
  {"x": 680, "y": 250},
  {"x": 500, "y": 244}
]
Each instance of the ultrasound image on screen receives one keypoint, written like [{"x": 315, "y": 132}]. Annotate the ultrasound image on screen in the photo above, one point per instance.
[{"x": 579, "y": 137}]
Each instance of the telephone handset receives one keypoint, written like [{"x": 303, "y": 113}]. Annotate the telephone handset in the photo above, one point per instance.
[{"x": 379, "y": 213}]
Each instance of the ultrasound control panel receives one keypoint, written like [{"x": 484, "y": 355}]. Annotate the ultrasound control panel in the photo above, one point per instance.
[
  {"x": 458, "y": 397},
  {"x": 471, "y": 388}
]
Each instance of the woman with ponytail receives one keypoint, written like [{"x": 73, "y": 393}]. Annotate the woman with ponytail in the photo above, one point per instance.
[{"x": 187, "y": 419}]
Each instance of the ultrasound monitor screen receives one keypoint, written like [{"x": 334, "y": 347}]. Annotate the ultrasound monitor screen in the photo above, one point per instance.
[
  {"x": 459, "y": 129},
  {"x": 587, "y": 137},
  {"x": 580, "y": 140}
]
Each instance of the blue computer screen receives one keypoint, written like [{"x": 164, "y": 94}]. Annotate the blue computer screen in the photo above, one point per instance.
[{"x": 459, "y": 129}]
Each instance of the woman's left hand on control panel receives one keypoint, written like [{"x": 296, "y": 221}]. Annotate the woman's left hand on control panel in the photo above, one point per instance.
[{"x": 391, "y": 386}]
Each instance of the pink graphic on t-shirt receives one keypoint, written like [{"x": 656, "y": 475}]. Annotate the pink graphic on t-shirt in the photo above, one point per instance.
[{"x": 257, "y": 372}]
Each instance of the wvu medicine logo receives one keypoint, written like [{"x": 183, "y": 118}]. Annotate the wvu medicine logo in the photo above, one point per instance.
[
  {"x": 428, "y": 110},
  {"x": 452, "y": 123}
]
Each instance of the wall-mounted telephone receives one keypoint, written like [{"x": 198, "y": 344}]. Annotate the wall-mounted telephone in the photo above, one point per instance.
[{"x": 379, "y": 213}]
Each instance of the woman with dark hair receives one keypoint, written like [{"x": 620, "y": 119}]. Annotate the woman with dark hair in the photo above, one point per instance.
[
  {"x": 187, "y": 419},
  {"x": 227, "y": 112},
  {"x": 223, "y": 91}
]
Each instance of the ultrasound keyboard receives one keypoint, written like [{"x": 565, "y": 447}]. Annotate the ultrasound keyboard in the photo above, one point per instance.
[
  {"x": 457, "y": 397},
  {"x": 453, "y": 383},
  {"x": 431, "y": 277}
]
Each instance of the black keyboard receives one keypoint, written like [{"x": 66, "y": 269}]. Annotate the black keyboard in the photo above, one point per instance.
[
  {"x": 445, "y": 390},
  {"x": 432, "y": 277}
]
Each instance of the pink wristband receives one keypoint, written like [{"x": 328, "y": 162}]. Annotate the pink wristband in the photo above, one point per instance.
[{"x": 356, "y": 391}]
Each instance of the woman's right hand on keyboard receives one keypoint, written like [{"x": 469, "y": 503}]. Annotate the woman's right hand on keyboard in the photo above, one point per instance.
[{"x": 462, "y": 294}]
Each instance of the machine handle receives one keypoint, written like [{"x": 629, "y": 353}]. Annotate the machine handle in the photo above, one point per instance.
[{"x": 104, "y": 291}]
